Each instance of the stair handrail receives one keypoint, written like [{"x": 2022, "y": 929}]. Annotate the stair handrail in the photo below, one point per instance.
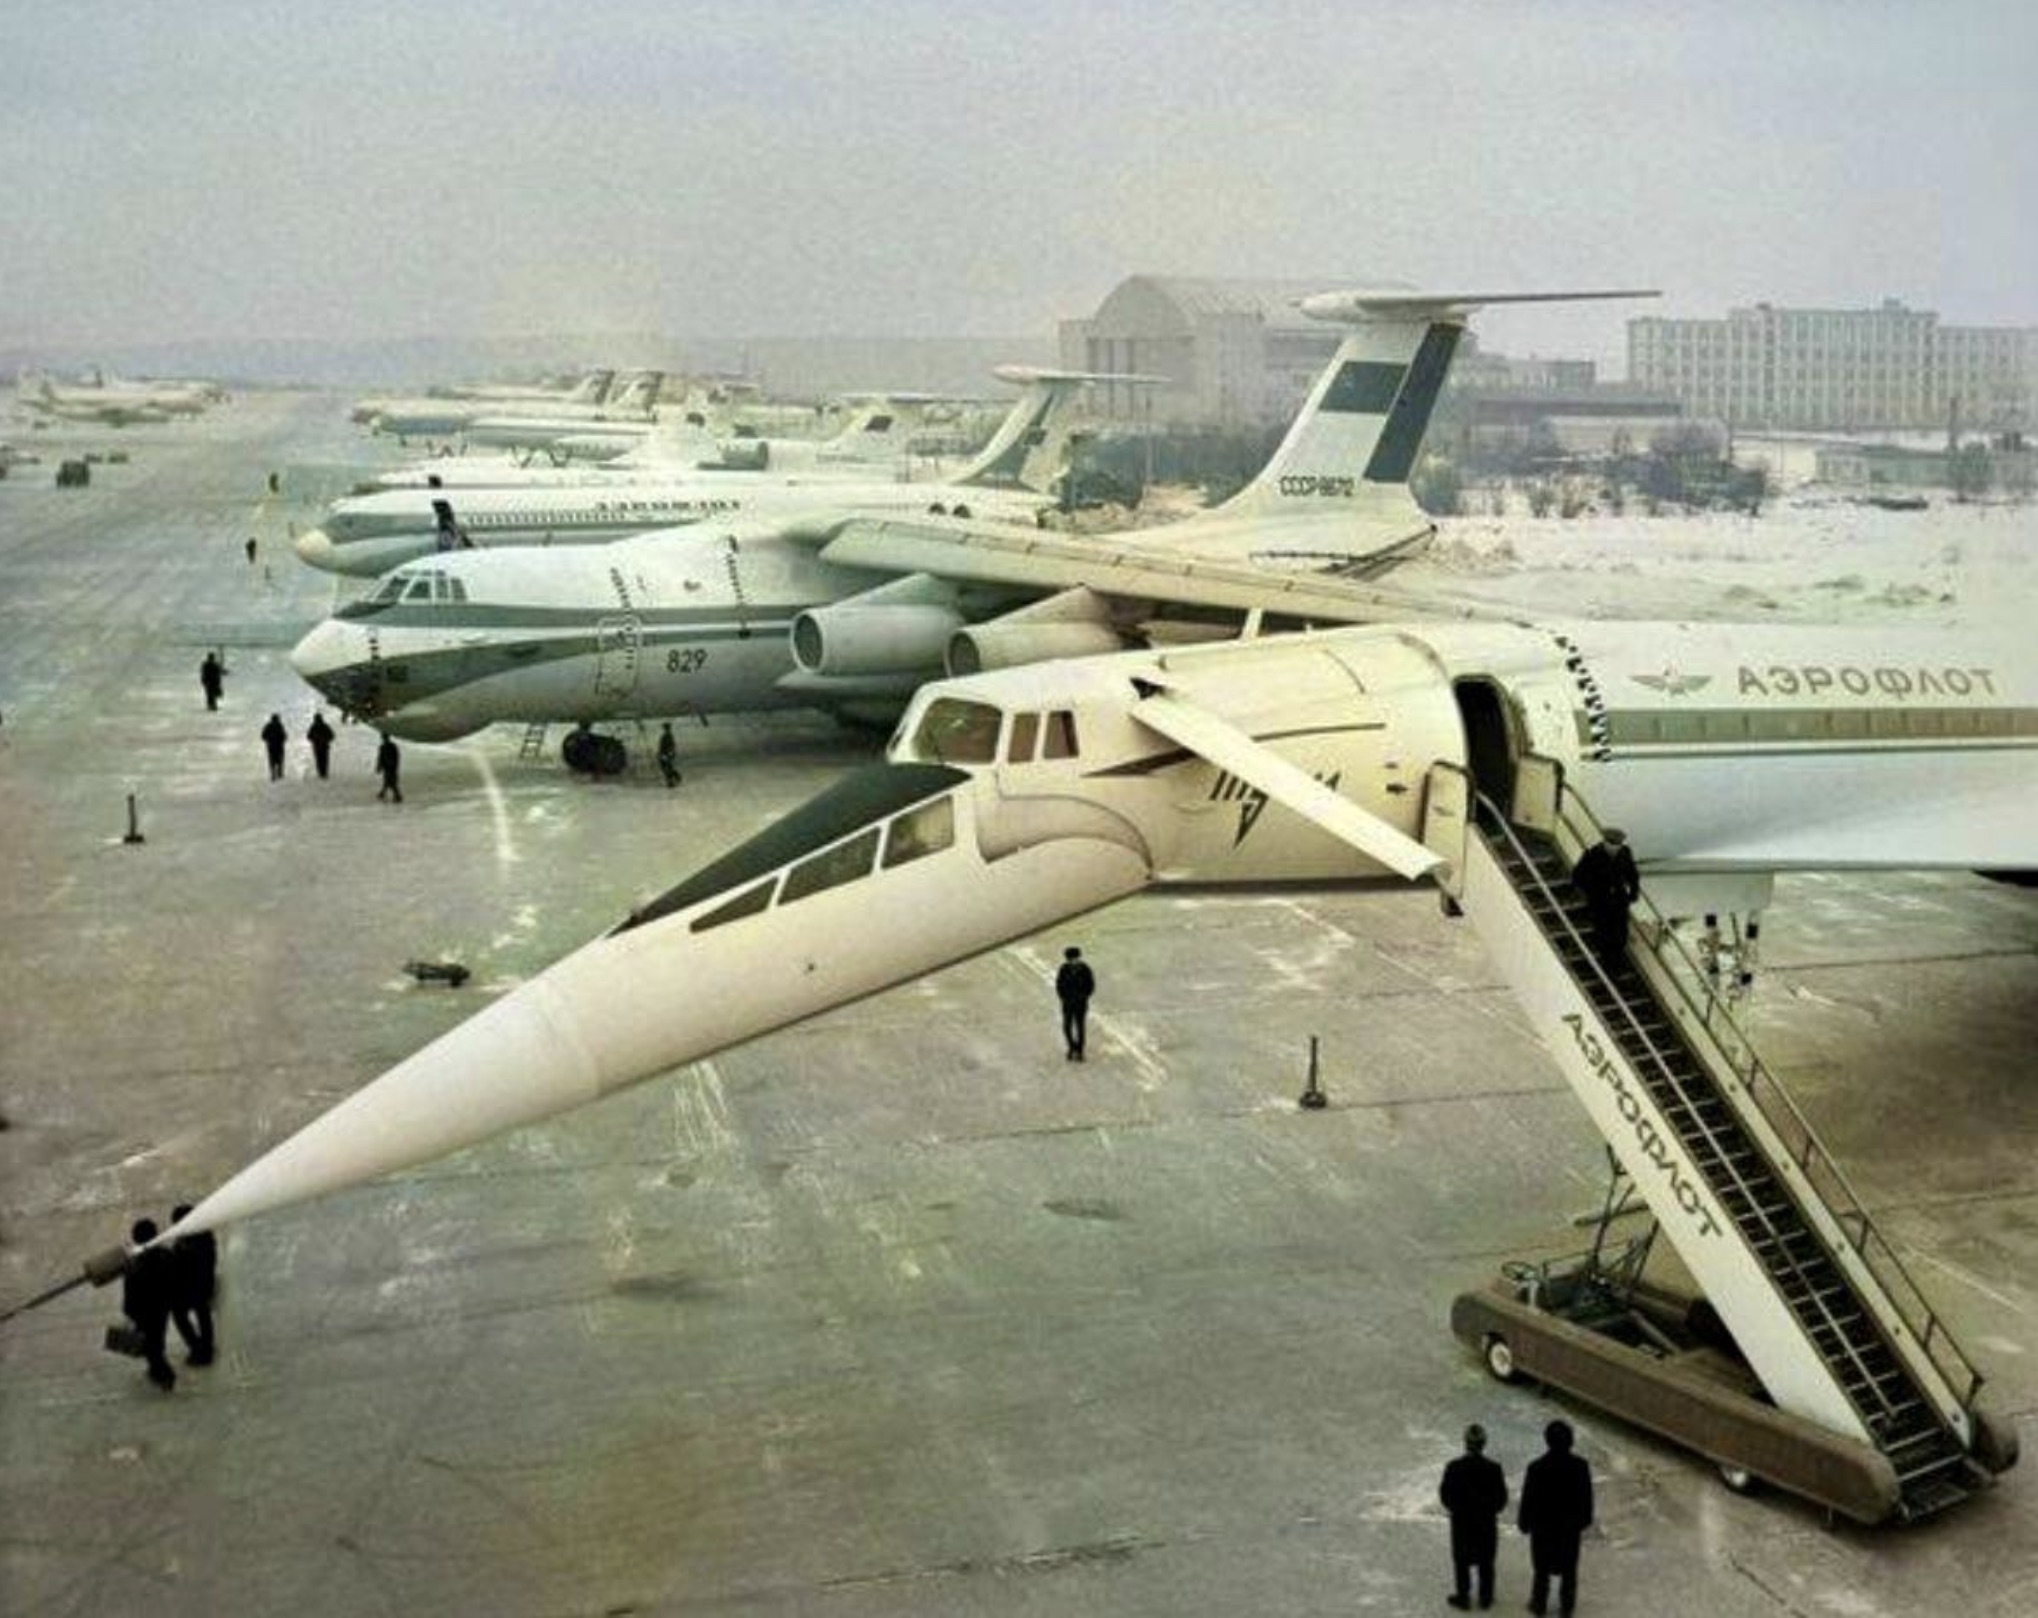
[
  {"x": 1963, "y": 1378},
  {"x": 1698, "y": 1127}
]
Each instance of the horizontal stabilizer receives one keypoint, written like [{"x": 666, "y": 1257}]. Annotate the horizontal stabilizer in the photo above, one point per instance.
[
  {"x": 1230, "y": 748},
  {"x": 1400, "y": 304}
]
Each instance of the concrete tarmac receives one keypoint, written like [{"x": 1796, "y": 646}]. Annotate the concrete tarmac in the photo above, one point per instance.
[{"x": 894, "y": 1313}]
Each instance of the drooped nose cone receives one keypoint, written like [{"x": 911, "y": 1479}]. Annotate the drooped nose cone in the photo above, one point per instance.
[{"x": 315, "y": 546}]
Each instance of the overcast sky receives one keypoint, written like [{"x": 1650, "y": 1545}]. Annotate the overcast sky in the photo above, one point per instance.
[{"x": 221, "y": 168}]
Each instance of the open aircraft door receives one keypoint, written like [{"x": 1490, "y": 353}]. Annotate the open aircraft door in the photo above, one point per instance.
[{"x": 619, "y": 644}]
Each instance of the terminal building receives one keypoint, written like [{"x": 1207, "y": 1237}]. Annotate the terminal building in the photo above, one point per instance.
[{"x": 1890, "y": 367}]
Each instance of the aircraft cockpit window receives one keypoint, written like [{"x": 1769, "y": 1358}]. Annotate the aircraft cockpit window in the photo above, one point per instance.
[
  {"x": 1061, "y": 735},
  {"x": 456, "y": 589},
  {"x": 925, "y": 830},
  {"x": 1024, "y": 740},
  {"x": 420, "y": 589},
  {"x": 832, "y": 867},
  {"x": 750, "y": 902},
  {"x": 956, "y": 732},
  {"x": 878, "y": 424},
  {"x": 391, "y": 588}
]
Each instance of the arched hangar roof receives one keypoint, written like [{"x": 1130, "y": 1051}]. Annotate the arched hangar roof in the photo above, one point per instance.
[{"x": 1176, "y": 305}]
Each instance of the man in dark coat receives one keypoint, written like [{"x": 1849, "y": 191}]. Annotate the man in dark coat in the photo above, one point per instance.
[
  {"x": 668, "y": 755},
  {"x": 273, "y": 738},
  {"x": 145, "y": 1299},
  {"x": 1556, "y": 1509},
  {"x": 388, "y": 762},
  {"x": 212, "y": 676},
  {"x": 1474, "y": 1492},
  {"x": 1074, "y": 983},
  {"x": 1606, "y": 875},
  {"x": 320, "y": 735},
  {"x": 194, "y": 1279}
]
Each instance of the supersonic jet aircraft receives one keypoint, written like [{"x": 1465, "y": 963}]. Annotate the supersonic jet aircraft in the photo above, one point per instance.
[
  {"x": 1016, "y": 799},
  {"x": 852, "y": 615}
]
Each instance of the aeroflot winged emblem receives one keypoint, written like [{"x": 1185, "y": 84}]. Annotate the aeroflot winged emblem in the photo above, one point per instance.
[
  {"x": 1251, "y": 800},
  {"x": 1673, "y": 684}
]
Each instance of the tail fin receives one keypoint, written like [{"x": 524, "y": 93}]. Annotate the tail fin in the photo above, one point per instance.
[
  {"x": 592, "y": 388},
  {"x": 678, "y": 438},
  {"x": 639, "y": 393},
  {"x": 1356, "y": 438},
  {"x": 1031, "y": 445},
  {"x": 875, "y": 428}
]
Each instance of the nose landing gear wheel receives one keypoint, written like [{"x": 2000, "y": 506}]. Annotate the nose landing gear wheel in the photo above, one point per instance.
[{"x": 588, "y": 754}]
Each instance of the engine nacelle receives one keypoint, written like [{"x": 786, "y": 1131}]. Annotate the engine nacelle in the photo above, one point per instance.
[
  {"x": 740, "y": 455},
  {"x": 976, "y": 648},
  {"x": 849, "y": 639}
]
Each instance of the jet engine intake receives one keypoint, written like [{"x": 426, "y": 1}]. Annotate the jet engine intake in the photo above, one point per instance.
[
  {"x": 850, "y": 639},
  {"x": 977, "y": 648}
]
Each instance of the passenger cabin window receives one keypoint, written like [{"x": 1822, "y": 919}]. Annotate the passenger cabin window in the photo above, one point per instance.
[
  {"x": 1061, "y": 735},
  {"x": 956, "y": 732},
  {"x": 832, "y": 867},
  {"x": 925, "y": 830}
]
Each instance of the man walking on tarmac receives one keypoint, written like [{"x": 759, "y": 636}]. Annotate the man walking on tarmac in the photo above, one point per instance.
[
  {"x": 274, "y": 736},
  {"x": 1074, "y": 983},
  {"x": 145, "y": 1291},
  {"x": 320, "y": 735},
  {"x": 388, "y": 763}
]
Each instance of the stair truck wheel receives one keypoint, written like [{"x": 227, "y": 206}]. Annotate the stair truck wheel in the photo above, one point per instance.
[{"x": 1500, "y": 1358}]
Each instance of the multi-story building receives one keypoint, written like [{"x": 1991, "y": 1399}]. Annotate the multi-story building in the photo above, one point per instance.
[{"x": 1847, "y": 369}]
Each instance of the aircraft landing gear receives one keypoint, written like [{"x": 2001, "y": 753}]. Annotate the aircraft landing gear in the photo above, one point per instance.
[{"x": 585, "y": 753}]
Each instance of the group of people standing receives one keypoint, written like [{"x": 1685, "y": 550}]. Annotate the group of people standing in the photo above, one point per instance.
[
  {"x": 212, "y": 674},
  {"x": 388, "y": 756},
  {"x": 173, "y": 1285},
  {"x": 1556, "y": 1509}
]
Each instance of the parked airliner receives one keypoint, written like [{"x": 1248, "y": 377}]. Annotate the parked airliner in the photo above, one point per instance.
[
  {"x": 366, "y": 535},
  {"x": 852, "y": 615}
]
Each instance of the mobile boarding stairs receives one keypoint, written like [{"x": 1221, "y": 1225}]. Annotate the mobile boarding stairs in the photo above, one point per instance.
[{"x": 1812, "y": 1361}]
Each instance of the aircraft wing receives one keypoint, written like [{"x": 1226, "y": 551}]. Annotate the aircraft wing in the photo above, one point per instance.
[
  {"x": 1230, "y": 748},
  {"x": 1975, "y": 816},
  {"x": 1133, "y": 567}
]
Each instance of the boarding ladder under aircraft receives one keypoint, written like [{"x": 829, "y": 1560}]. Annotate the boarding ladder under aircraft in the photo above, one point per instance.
[{"x": 1865, "y": 1403}]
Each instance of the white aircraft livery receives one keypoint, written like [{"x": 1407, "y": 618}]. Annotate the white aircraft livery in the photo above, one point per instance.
[
  {"x": 366, "y": 535},
  {"x": 1016, "y": 799},
  {"x": 851, "y": 614}
]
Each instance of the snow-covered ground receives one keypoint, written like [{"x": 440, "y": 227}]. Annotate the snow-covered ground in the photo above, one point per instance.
[{"x": 1809, "y": 558}]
